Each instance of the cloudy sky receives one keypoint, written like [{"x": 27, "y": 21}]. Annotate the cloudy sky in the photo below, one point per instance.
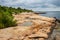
[{"x": 36, "y": 5}]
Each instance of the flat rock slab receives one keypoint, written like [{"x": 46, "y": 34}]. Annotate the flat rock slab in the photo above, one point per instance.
[{"x": 30, "y": 27}]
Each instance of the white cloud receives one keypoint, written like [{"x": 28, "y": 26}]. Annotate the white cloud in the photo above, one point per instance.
[
  {"x": 50, "y": 5},
  {"x": 31, "y": 4}
]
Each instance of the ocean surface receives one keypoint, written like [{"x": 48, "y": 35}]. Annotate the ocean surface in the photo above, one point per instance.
[{"x": 52, "y": 14}]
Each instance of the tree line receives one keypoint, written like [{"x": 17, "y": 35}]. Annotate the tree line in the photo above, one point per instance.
[{"x": 6, "y": 17}]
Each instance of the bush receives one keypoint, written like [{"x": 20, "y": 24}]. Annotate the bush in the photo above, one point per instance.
[{"x": 6, "y": 20}]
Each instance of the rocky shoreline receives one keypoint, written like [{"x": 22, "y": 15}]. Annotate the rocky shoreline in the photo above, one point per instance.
[{"x": 40, "y": 28}]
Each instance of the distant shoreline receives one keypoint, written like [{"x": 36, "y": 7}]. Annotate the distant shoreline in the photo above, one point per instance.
[{"x": 40, "y": 12}]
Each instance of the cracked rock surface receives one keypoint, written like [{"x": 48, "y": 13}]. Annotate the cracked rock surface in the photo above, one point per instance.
[{"x": 30, "y": 27}]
